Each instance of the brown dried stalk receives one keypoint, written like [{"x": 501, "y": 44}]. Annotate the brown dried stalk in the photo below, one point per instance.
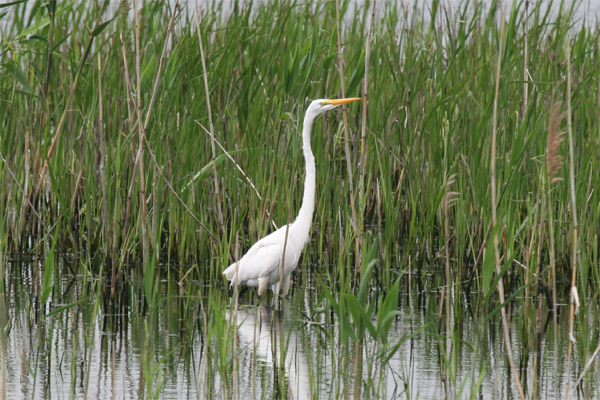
[{"x": 554, "y": 160}]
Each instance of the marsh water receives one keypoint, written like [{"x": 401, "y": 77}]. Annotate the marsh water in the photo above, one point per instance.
[{"x": 292, "y": 351}]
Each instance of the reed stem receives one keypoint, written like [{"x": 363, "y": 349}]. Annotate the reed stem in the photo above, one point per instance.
[
  {"x": 347, "y": 138},
  {"x": 139, "y": 159},
  {"x": 363, "y": 147},
  {"x": 574, "y": 228},
  {"x": 211, "y": 125},
  {"x": 505, "y": 327}
]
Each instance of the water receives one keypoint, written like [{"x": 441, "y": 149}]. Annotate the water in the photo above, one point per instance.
[
  {"x": 295, "y": 351},
  {"x": 73, "y": 353}
]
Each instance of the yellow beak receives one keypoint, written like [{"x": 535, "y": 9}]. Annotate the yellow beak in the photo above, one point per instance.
[{"x": 337, "y": 102}]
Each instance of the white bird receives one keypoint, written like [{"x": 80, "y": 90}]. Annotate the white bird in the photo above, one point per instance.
[{"x": 261, "y": 265}]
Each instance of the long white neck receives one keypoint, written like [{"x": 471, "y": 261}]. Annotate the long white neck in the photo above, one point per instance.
[{"x": 304, "y": 219}]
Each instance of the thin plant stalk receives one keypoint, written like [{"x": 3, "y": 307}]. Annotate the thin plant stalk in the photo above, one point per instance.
[
  {"x": 281, "y": 279},
  {"x": 86, "y": 53},
  {"x": 142, "y": 128},
  {"x": 40, "y": 220},
  {"x": 3, "y": 332},
  {"x": 61, "y": 124},
  {"x": 25, "y": 190},
  {"x": 361, "y": 190},
  {"x": 526, "y": 60},
  {"x": 161, "y": 63},
  {"x": 126, "y": 78},
  {"x": 209, "y": 133},
  {"x": 505, "y": 327},
  {"x": 179, "y": 199},
  {"x": 102, "y": 161},
  {"x": 154, "y": 239},
  {"x": 50, "y": 51},
  {"x": 587, "y": 366},
  {"x": 129, "y": 101},
  {"x": 280, "y": 290},
  {"x": 141, "y": 133},
  {"x": 363, "y": 136},
  {"x": 358, "y": 361},
  {"x": 210, "y": 121},
  {"x": 236, "y": 296},
  {"x": 574, "y": 229},
  {"x": 147, "y": 122},
  {"x": 447, "y": 201},
  {"x": 256, "y": 335},
  {"x": 347, "y": 139}
]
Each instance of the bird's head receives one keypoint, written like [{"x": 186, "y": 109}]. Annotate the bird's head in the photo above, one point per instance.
[{"x": 318, "y": 107}]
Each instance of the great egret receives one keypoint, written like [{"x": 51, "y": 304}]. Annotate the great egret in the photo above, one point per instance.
[{"x": 261, "y": 265}]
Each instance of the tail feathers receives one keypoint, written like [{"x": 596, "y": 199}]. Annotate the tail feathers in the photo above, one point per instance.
[{"x": 230, "y": 272}]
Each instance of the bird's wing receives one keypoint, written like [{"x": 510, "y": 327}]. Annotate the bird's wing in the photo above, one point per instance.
[{"x": 260, "y": 260}]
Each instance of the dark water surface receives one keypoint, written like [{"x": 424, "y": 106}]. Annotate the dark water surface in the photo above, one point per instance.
[{"x": 294, "y": 352}]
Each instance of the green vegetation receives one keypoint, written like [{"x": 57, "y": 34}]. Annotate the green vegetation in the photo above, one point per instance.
[{"x": 120, "y": 212}]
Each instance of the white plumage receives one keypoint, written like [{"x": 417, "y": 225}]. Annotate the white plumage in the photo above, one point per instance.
[{"x": 261, "y": 265}]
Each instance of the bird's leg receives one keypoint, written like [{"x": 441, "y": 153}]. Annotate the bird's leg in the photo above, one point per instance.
[
  {"x": 286, "y": 285},
  {"x": 262, "y": 284},
  {"x": 242, "y": 289}
]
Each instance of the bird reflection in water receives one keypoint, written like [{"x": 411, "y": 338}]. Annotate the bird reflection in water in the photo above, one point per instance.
[{"x": 267, "y": 338}]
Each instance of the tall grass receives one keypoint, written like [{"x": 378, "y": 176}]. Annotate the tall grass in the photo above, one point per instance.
[{"x": 109, "y": 156}]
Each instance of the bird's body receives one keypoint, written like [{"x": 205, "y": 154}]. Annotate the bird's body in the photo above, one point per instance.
[{"x": 261, "y": 265}]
